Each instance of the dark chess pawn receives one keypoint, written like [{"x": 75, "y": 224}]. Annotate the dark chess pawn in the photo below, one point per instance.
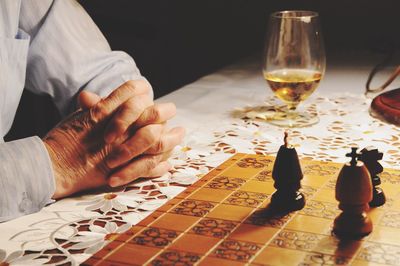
[
  {"x": 287, "y": 175},
  {"x": 354, "y": 192},
  {"x": 370, "y": 156}
]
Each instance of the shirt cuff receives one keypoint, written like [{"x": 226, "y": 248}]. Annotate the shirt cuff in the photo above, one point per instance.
[{"x": 26, "y": 178}]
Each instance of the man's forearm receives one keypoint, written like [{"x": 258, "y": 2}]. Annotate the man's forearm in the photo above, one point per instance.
[
  {"x": 69, "y": 54},
  {"x": 26, "y": 178}
]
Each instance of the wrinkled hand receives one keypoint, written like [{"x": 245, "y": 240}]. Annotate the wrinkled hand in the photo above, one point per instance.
[{"x": 122, "y": 137}]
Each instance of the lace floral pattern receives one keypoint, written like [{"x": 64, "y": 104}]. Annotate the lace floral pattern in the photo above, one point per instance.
[{"x": 70, "y": 237}]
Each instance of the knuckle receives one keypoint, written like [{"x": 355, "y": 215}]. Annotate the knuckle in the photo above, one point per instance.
[
  {"x": 92, "y": 117},
  {"x": 132, "y": 109},
  {"x": 154, "y": 113},
  {"x": 151, "y": 163},
  {"x": 159, "y": 147},
  {"x": 125, "y": 151},
  {"x": 146, "y": 85},
  {"x": 138, "y": 86},
  {"x": 120, "y": 125},
  {"x": 135, "y": 105},
  {"x": 130, "y": 83},
  {"x": 149, "y": 134},
  {"x": 130, "y": 86},
  {"x": 98, "y": 112}
]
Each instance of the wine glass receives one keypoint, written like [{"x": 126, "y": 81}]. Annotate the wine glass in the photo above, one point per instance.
[{"x": 294, "y": 63}]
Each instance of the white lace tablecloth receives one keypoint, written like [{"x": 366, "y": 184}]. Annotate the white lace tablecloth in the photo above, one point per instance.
[{"x": 212, "y": 110}]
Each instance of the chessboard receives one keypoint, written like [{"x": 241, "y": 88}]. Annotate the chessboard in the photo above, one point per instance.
[{"x": 222, "y": 220}]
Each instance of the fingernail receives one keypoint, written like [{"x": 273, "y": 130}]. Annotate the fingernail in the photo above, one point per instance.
[{"x": 114, "y": 181}]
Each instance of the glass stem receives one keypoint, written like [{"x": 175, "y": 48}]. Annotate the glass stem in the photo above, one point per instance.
[{"x": 292, "y": 110}]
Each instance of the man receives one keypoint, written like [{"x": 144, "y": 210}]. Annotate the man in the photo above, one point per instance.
[{"x": 53, "y": 47}]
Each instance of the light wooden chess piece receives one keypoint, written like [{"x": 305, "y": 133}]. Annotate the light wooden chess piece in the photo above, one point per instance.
[
  {"x": 354, "y": 192},
  {"x": 287, "y": 175}
]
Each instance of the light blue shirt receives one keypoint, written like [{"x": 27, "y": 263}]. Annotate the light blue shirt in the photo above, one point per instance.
[{"x": 49, "y": 47}]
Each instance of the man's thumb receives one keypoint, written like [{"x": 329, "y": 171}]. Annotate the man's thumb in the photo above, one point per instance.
[{"x": 87, "y": 99}]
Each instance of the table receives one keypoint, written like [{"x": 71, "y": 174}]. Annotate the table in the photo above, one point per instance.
[{"x": 212, "y": 111}]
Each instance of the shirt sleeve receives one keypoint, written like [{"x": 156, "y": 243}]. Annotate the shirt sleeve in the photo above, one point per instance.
[
  {"x": 68, "y": 53},
  {"x": 26, "y": 179}
]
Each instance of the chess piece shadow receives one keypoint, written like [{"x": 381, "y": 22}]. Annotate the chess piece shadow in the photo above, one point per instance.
[
  {"x": 287, "y": 177},
  {"x": 354, "y": 192},
  {"x": 268, "y": 216},
  {"x": 346, "y": 249}
]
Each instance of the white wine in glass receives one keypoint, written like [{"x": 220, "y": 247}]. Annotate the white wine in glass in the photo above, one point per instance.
[{"x": 294, "y": 63}]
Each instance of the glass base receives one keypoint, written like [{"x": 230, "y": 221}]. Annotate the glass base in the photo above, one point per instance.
[
  {"x": 294, "y": 119},
  {"x": 277, "y": 115}
]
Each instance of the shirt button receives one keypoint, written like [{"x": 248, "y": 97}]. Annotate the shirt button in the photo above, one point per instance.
[{"x": 26, "y": 204}]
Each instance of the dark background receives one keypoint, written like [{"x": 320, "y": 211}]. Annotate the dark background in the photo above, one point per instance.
[{"x": 174, "y": 42}]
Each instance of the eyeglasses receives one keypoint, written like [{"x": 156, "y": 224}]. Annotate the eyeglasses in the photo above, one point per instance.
[{"x": 375, "y": 70}]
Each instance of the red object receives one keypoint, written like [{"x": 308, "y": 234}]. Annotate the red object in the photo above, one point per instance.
[{"x": 387, "y": 106}]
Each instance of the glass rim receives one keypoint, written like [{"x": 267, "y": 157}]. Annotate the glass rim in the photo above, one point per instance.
[{"x": 295, "y": 14}]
